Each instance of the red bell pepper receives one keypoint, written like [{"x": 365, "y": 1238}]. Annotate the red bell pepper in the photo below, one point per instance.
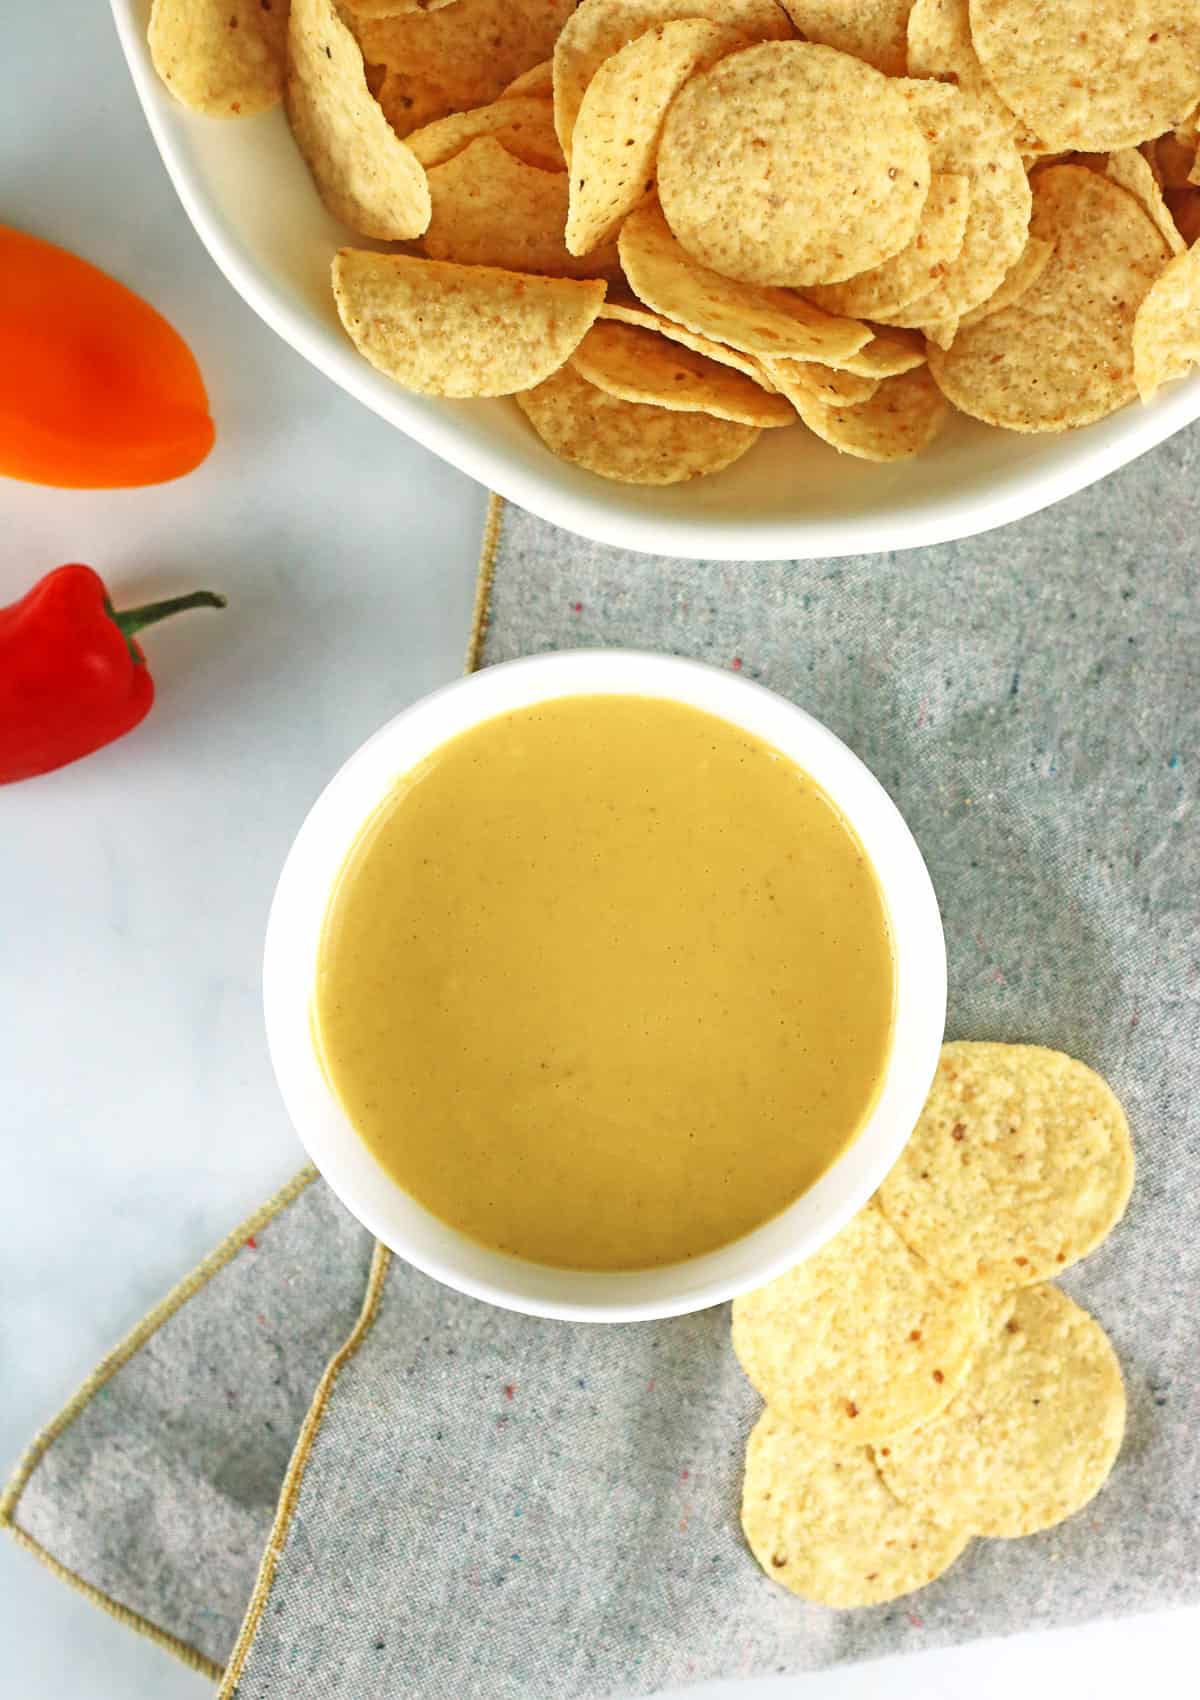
[{"x": 72, "y": 678}]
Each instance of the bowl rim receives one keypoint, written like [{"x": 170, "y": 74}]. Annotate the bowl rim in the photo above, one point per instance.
[
  {"x": 289, "y": 961},
  {"x": 567, "y": 498}
]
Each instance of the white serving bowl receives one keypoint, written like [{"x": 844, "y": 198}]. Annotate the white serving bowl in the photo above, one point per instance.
[
  {"x": 293, "y": 936},
  {"x": 248, "y": 193}
]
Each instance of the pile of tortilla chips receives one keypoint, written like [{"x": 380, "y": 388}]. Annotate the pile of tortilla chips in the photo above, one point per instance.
[
  {"x": 924, "y": 1382},
  {"x": 665, "y": 226}
]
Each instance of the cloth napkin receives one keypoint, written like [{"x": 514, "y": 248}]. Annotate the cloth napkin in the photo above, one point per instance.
[{"x": 481, "y": 1503}]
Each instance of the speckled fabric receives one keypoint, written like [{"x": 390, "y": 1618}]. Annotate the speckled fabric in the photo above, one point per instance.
[
  {"x": 523, "y": 1510},
  {"x": 162, "y": 1491},
  {"x": 537, "y": 1509}
]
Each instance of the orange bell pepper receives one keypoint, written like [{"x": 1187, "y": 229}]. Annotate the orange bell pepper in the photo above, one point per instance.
[{"x": 96, "y": 388}]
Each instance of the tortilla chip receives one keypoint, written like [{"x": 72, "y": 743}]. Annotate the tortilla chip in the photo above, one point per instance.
[
  {"x": 833, "y": 130},
  {"x": 912, "y": 272},
  {"x": 940, "y": 45},
  {"x": 966, "y": 137},
  {"x": 827, "y": 384},
  {"x": 625, "y": 313},
  {"x": 901, "y": 418},
  {"x": 625, "y": 440},
  {"x": 460, "y": 330},
  {"x": 614, "y": 147},
  {"x": 365, "y": 174},
  {"x": 458, "y": 58},
  {"x": 742, "y": 315},
  {"x": 600, "y": 28},
  {"x": 224, "y": 57},
  {"x": 1063, "y": 355},
  {"x": 1130, "y": 169},
  {"x": 874, "y": 30},
  {"x": 538, "y": 81},
  {"x": 1033, "y": 1433},
  {"x": 490, "y": 209},
  {"x": 1172, "y": 158},
  {"x": 1017, "y": 281},
  {"x": 886, "y": 355},
  {"x": 1020, "y": 1164},
  {"x": 824, "y": 1525},
  {"x": 942, "y": 331},
  {"x": 1166, "y": 332},
  {"x": 640, "y": 365},
  {"x": 1091, "y": 74},
  {"x": 861, "y": 1341},
  {"x": 523, "y": 125}
]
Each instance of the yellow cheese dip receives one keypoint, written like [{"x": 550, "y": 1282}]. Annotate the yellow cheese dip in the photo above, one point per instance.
[{"x": 606, "y": 983}]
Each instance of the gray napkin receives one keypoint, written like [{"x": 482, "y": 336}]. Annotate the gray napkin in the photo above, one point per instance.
[{"x": 491, "y": 1504}]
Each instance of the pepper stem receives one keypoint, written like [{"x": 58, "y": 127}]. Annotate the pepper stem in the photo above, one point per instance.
[{"x": 134, "y": 619}]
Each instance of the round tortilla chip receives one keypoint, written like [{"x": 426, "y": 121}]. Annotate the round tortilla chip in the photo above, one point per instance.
[
  {"x": 901, "y": 418},
  {"x": 490, "y": 209},
  {"x": 941, "y": 331},
  {"x": 826, "y": 1526},
  {"x": 599, "y": 28},
  {"x": 460, "y": 330},
  {"x": 226, "y": 58},
  {"x": 1063, "y": 355},
  {"x": 614, "y": 146},
  {"x": 860, "y": 1341},
  {"x": 1032, "y": 1434},
  {"x": 538, "y": 80},
  {"x": 940, "y": 45},
  {"x": 365, "y": 174},
  {"x": 1020, "y": 1165},
  {"x": 457, "y": 58},
  {"x": 834, "y": 386},
  {"x": 1166, "y": 331},
  {"x": 522, "y": 124},
  {"x": 624, "y": 313},
  {"x": 792, "y": 164},
  {"x": 886, "y": 355},
  {"x": 640, "y": 365},
  {"x": 915, "y": 269},
  {"x": 1091, "y": 74},
  {"x": 743, "y": 315},
  {"x": 1132, "y": 171},
  {"x": 965, "y": 137},
  {"x": 627, "y": 440},
  {"x": 873, "y": 30},
  {"x": 1017, "y": 281}
]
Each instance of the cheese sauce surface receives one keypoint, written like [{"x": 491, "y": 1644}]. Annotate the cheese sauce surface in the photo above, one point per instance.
[{"x": 606, "y": 983}]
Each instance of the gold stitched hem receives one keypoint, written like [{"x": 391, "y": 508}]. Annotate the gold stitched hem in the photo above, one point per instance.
[
  {"x": 189, "y": 1286},
  {"x": 100, "y": 1376},
  {"x": 295, "y": 1476},
  {"x": 483, "y": 587},
  {"x": 182, "y": 1650},
  {"x": 379, "y": 1264},
  {"x": 294, "y": 1479}
]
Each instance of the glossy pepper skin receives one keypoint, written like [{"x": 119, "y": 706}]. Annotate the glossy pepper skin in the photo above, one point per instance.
[
  {"x": 72, "y": 677},
  {"x": 97, "y": 390}
]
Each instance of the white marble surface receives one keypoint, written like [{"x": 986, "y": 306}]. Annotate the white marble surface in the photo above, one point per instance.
[{"x": 139, "y": 1116}]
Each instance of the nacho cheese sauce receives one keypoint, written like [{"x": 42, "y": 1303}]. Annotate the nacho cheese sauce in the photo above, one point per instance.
[{"x": 606, "y": 983}]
